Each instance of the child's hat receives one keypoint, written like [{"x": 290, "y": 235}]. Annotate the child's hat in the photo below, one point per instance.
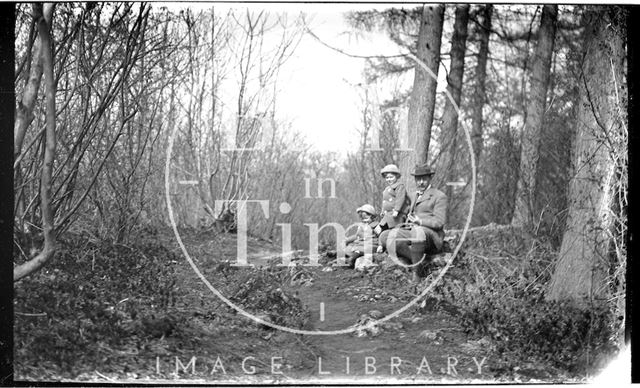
[
  {"x": 367, "y": 209},
  {"x": 390, "y": 168}
]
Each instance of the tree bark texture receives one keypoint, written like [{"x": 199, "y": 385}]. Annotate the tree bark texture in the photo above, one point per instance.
[
  {"x": 423, "y": 94},
  {"x": 41, "y": 13},
  {"x": 524, "y": 213},
  {"x": 24, "y": 111},
  {"x": 479, "y": 95},
  {"x": 581, "y": 270},
  {"x": 445, "y": 170}
]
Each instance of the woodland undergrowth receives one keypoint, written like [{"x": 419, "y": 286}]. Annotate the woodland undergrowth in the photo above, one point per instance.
[{"x": 497, "y": 290}]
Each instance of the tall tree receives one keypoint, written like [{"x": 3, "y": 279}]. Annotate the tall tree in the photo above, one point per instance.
[
  {"x": 524, "y": 210},
  {"x": 479, "y": 95},
  {"x": 43, "y": 15},
  {"x": 423, "y": 94},
  {"x": 596, "y": 197},
  {"x": 24, "y": 111},
  {"x": 445, "y": 170}
]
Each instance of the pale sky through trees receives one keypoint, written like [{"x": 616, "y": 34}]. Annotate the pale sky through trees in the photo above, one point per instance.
[
  {"x": 320, "y": 93},
  {"x": 317, "y": 88}
]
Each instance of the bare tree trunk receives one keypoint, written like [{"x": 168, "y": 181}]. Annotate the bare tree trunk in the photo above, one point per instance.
[
  {"x": 445, "y": 170},
  {"x": 46, "y": 44},
  {"x": 599, "y": 160},
  {"x": 24, "y": 112},
  {"x": 479, "y": 95},
  {"x": 24, "y": 117},
  {"x": 525, "y": 194},
  {"x": 423, "y": 95}
]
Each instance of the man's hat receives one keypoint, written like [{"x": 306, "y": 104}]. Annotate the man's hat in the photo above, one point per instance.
[
  {"x": 422, "y": 169},
  {"x": 367, "y": 209},
  {"x": 390, "y": 168}
]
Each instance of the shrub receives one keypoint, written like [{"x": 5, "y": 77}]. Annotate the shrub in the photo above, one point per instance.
[
  {"x": 501, "y": 296},
  {"x": 524, "y": 327},
  {"x": 91, "y": 297}
]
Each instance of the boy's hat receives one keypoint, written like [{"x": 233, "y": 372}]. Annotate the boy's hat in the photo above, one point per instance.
[
  {"x": 423, "y": 169},
  {"x": 367, "y": 209},
  {"x": 390, "y": 168}
]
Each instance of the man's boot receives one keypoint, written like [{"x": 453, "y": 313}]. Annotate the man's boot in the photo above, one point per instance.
[{"x": 417, "y": 258}]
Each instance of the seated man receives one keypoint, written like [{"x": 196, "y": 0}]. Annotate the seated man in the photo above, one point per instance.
[{"x": 423, "y": 233}]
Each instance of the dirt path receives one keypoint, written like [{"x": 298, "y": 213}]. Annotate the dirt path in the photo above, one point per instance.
[
  {"x": 420, "y": 345},
  {"x": 414, "y": 345}
]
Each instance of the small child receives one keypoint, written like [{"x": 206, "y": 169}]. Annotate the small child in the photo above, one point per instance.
[
  {"x": 395, "y": 201},
  {"x": 365, "y": 238}
]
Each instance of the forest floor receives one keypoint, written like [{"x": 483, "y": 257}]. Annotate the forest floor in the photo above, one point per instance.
[{"x": 78, "y": 321}]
